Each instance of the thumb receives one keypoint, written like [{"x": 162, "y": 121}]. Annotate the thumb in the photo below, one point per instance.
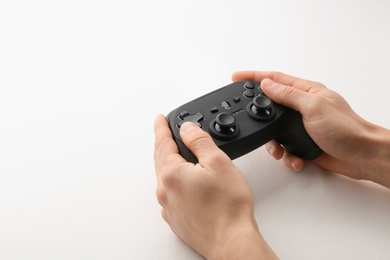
[
  {"x": 285, "y": 95},
  {"x": 200, "y": 143}
]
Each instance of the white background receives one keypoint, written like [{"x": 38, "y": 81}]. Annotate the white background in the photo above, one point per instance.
[{"x": 82, "y": 81}]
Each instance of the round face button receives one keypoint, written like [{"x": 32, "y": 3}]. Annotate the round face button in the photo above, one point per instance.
[
  {"x": 249, "y": 93},
  {"x": 249, "y": 85}
]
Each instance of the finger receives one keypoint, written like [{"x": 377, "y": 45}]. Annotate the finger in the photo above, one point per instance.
[
  {"x": 292, "y": 161},
  {"x": 286, "y": 95},
  {"x": 165, "y": 148},
  {"x": 260, "y": 75},
  {"x": 201, "y": 144},
  {"x": 305, "y": 85},
  {"x": 274, "y": 149}
]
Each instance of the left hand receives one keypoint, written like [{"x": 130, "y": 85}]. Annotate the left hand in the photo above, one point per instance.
[{"x": 209, "y": 205}]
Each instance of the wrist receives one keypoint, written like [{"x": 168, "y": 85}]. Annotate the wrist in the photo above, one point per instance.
[
  {"x": 244, "y": 242},
  {"x": 376, "y": 165}
]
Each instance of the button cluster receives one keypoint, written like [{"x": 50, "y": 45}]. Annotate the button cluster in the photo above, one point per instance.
[
  {"x": 224, "y": 125},
  {"x": 240, "y": 117},
  {"x": 249, "y": 92}
]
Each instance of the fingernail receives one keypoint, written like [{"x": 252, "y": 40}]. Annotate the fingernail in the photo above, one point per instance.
[
  {"x": 270, "y": 150},
  {"x": 294, "y": 165},
  {"x": 267, "y": 83}
]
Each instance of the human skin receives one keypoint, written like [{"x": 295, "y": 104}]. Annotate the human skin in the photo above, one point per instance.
[
  {"x": 210, "y": 205},
  {"x": 352, "y": 146}
]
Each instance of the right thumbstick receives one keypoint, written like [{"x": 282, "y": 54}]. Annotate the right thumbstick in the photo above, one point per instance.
[
  {"x": 262, "y": 102},
  {"x": 262, "y": 108}
]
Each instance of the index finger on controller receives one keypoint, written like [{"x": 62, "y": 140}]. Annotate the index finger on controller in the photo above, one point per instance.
[{"x": 279, "y": 77}]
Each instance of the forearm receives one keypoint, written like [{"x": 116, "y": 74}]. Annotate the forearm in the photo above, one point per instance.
[{"x": 376, "y": 167}]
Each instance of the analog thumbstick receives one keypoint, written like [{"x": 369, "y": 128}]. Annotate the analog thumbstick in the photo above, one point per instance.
[
  {"x": 225, "y": 123},
  {"x": 224, "y": 127},
  {"x": 261, "y": 108},
  {"x": 262, "y": 102}
]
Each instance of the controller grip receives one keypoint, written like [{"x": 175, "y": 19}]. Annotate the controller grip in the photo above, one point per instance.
[
  {"x": 297, "y": 141},
  {"x": 185, "y": 152}
]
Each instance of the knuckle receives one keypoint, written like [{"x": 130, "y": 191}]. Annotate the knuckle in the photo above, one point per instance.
[
  {"x": 164, "y": 215},
  {"x": 318, "y": 85},
  {"x": 161, "y": 146},
  {"x": 278, "y": 75},
  {"x": 158, "y": 144},
  {"x": 168, "y": 180},
  {"x": 219, "y": 160},
  {"x": 169, "y": 177},
  {"x": 197, "y": 139},
  {"x": 314, "y": 105},
  {"x": 161, "y": 195},
  {"x": 287, "y": 91}
]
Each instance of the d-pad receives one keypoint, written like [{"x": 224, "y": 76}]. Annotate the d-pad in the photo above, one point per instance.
[{"x": 187, "y": 117}]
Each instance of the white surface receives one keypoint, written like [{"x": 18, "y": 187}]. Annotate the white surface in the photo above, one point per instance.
[{"x": 82, "y": 81}]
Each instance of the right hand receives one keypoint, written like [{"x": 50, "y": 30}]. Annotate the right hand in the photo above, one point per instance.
[{"x": 345, "y": 137}]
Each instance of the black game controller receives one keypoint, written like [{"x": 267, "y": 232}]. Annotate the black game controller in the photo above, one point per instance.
[{"x": 241, "y": 118}]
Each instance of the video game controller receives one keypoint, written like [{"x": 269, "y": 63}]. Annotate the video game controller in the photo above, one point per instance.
[{"x": 241, "y": 118}]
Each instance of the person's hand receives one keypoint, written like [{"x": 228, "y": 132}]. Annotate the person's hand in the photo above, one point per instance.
[
  {"x": 209, "y": 205},
  {"x": 352, "y": 146}
]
